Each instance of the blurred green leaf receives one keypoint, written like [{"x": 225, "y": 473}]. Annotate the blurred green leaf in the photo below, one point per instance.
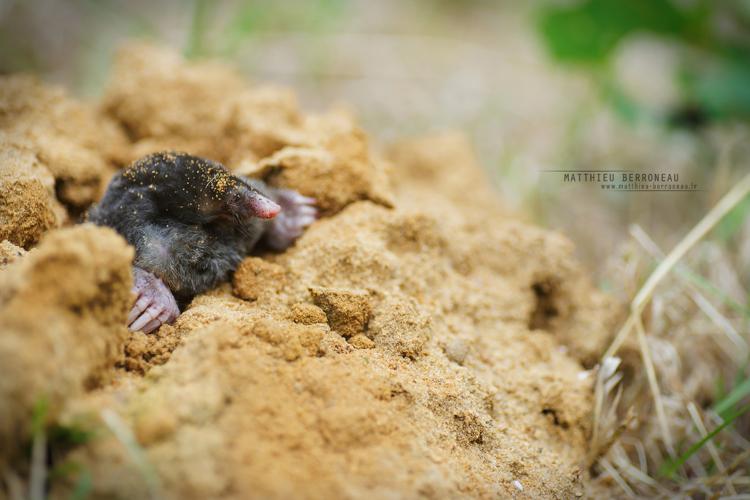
[
  {"x": 724, "y": 87},
  {"x": 587, "y": 32},
  {"x": 716, "y": 75}
]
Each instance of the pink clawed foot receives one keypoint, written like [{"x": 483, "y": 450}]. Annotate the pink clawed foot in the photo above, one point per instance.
[
  {"x": 154, "y": 304},
  {"x": 297, "y": 212}
]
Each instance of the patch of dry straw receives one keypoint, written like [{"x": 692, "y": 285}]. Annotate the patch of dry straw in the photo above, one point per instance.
[{"x": 678, "y": 343}]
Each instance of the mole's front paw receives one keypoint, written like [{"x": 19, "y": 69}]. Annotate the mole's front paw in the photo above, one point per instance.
[
  {"x": 154, "y": 304},
  {"x": 297, "y": 212}
]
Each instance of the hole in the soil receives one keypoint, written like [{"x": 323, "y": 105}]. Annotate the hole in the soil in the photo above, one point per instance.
[
  {"x": 130, "y": 131},
  {"x": 545, "y": 309},
  {"x": 555, "y": 419},
  {"x": 76, "y": 213}
]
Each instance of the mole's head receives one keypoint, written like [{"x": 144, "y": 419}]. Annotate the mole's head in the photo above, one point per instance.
[{"x": 244, "y": 202}]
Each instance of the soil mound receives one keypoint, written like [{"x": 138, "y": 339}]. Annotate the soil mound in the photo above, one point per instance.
[{"x": 419, "y": 340}]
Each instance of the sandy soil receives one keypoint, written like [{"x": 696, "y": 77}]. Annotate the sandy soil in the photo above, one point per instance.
[{"x": 419, "y": 340}]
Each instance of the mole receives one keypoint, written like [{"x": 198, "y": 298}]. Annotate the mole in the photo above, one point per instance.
[{"x": 191, "y": 222}]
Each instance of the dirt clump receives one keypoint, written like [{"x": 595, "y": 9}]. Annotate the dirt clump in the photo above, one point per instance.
[
  {"x": 347, "y": 311},
  {"x": 335, "y": 176},
  {"x": 78, "y": 146},
  {"x": 255, "y": 277},
  {"x": 28, "y": 207},
  {"x": 307, "y": 314},
  {"x": 62, "y": 313}
]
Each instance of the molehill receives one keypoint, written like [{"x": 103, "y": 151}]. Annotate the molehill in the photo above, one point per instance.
[{"x": 418, "y": 340}]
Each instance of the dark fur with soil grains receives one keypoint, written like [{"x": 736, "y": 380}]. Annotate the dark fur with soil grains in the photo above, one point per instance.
[{"x": 191, "y": 222}]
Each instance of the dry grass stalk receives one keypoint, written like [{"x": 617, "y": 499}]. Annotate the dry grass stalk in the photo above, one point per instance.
[
  {"x": 648, "y": 363},
  {"x": 675, "y": 322},
  {"x": 125, "y": 435},
  {"x": 727, "y": 203},
  {"x": 739, "y": 354}
]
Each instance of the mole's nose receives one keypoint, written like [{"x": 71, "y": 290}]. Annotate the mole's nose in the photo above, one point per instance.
[{"x": 262, "y": 206}]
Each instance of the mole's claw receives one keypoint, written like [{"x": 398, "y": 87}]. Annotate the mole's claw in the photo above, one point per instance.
[
  {"x": 140, "y": 305},
  {"x": 297, "y": 213},
  {"x": 155, "y": 306},
  {"x": 151, "y": 326},
  {"x": 308, "y": 210},
  {"x": 305, "y": 220},
  {"x": 144, "y": 319}
]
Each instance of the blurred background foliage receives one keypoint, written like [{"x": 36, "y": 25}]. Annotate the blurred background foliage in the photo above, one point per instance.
[{"x": 712, "y": 38}]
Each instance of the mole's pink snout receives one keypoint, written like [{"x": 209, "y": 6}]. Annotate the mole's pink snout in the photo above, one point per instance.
[{"x": 263, "y": 207}]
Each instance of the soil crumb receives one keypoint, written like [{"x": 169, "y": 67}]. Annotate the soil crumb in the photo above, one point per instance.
[{"x": 418, "y": 341}]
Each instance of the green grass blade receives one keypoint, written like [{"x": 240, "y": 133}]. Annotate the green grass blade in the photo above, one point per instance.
[
  {"x": 725, "y": 406},
  {"x": 669, "y": 467}
]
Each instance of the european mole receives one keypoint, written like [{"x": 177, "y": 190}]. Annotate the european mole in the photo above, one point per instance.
[{"x": 191, "y": 223}]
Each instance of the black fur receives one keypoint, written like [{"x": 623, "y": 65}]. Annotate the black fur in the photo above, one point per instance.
[{"x": 185, "y": 217}]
